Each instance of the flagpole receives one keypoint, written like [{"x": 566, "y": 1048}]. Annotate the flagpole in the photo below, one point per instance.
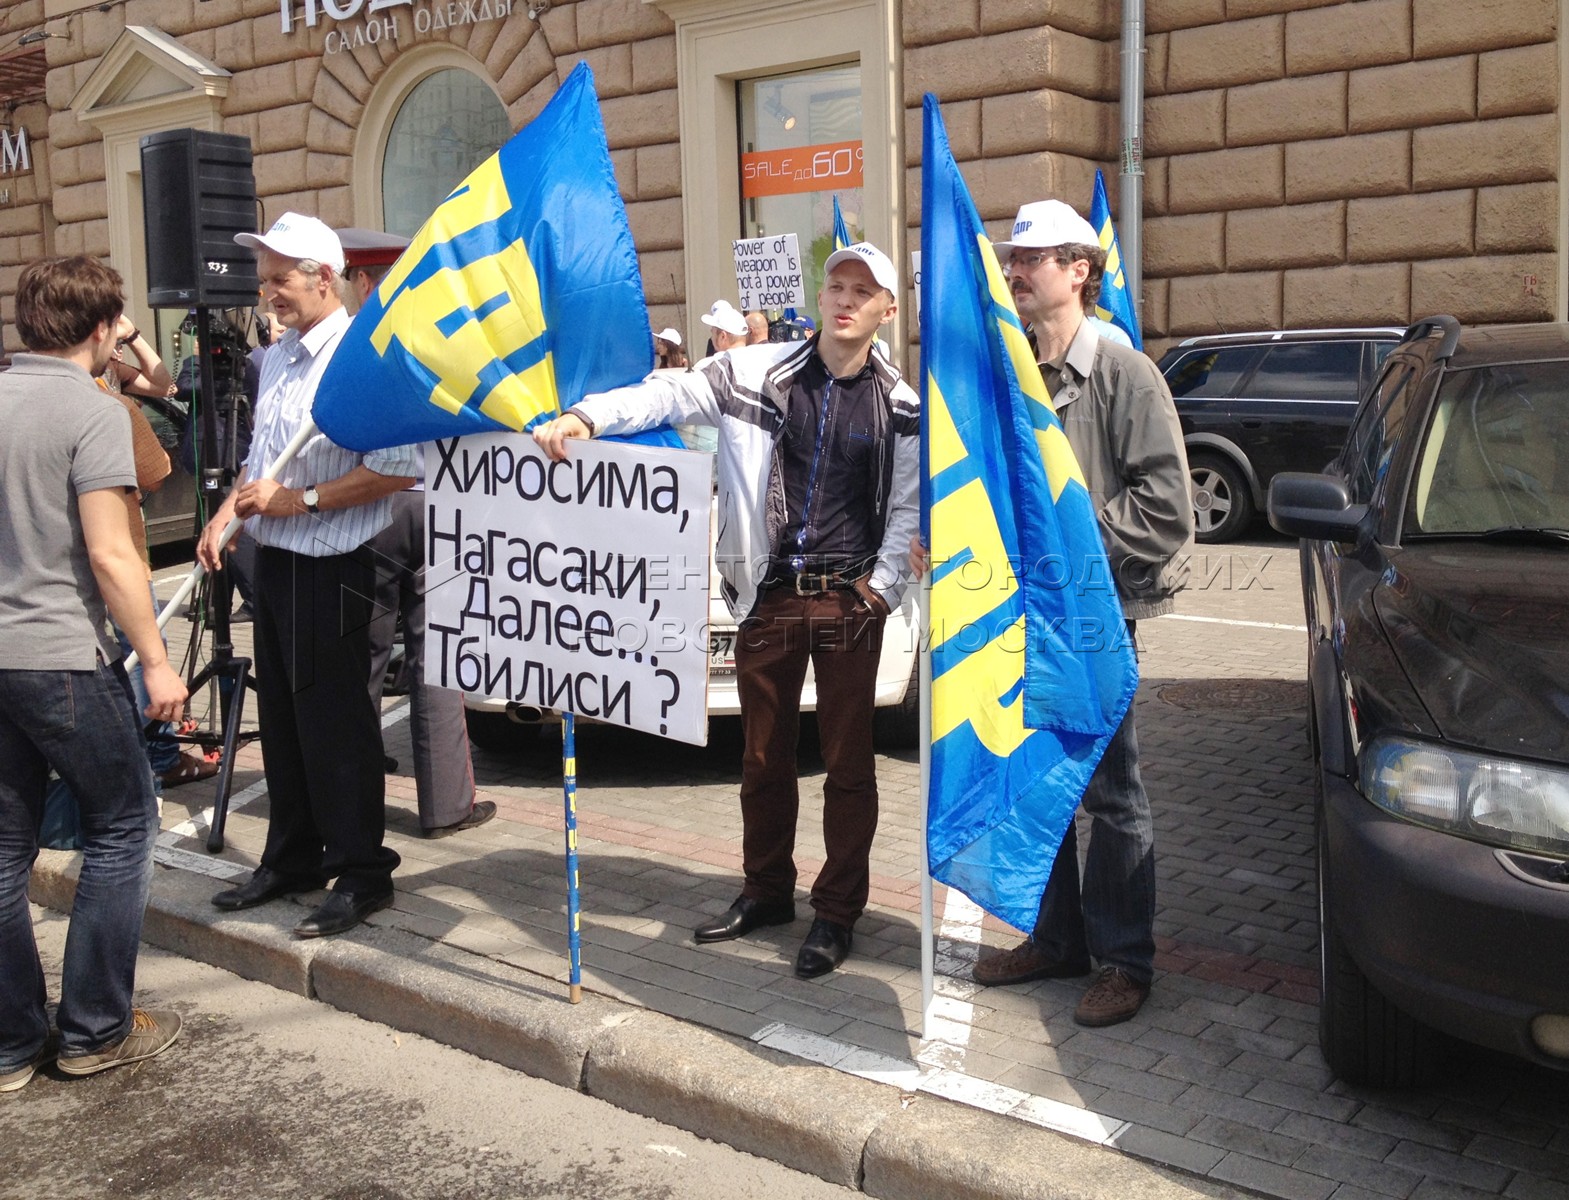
[
  {"x": 188, "y": 584},
  {"x": 569, "y": 790},
  {"x": 928, "y": 945}
]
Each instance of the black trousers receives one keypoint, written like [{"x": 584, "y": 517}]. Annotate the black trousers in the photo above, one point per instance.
[{"x": 321, "y": 739}]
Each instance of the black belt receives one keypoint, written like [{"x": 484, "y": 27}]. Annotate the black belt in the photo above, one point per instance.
[{"x": 814, "y": 583}]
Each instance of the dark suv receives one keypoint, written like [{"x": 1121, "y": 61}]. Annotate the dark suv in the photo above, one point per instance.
[
  {"x": 1435, "y": 563},
  {"x": 1255, "y": 404}
]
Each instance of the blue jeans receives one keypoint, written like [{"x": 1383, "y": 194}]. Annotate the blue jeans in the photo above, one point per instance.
[
  {"x": 1112, "y": 916},
  {"x": 83, "y": 725}
]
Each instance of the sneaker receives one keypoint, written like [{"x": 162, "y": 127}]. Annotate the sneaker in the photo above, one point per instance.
[
  {"x": 1025, "y": 962},
  {"x": 152, "y": 1032},
  {"x": 16, "y": 1078},
  {"x": 190, "y": 768},
  {"x": 1114, "y": 997}
]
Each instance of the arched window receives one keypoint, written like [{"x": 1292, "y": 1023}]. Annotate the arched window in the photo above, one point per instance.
[{"x": 449, "y": 123}]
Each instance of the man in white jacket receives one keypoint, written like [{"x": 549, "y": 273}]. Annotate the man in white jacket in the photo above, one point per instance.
[{"x": 818, "y": 490}]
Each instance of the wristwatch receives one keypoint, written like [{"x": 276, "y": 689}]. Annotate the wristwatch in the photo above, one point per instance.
[{"x": 312, "y": 499}]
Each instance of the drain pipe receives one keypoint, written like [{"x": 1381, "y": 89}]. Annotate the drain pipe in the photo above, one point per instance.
[{"x": 1130, "y": 190}]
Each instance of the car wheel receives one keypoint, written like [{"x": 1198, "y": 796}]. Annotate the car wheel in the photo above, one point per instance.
[
  {"x": 498, "y": 732},
  {"x": 898, "y": 726},
  {"x": 1222, "y": 502},
  {"x": 1365, "y": 1039}
]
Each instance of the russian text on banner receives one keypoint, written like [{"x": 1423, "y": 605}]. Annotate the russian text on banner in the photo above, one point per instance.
[{"x": 1030, "y": 663}]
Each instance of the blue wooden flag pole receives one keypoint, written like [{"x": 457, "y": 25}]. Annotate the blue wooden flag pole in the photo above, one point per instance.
[{"x": 569, "y": 788}]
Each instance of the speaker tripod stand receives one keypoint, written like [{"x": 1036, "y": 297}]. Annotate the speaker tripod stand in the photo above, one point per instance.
[{"x": 212, "y": 593}]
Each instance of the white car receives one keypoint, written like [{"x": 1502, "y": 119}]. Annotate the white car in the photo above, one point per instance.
[{"x": 496, "y": 723}]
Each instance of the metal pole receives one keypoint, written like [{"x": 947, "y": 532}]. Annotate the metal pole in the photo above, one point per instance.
[
  {"x": 1130, "y": 191},
  {"x": 569, "y": 789},
  {"x": 928, "y": 923}
]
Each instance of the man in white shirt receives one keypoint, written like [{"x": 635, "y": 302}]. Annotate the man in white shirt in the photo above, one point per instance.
[{"x": 321, "y": 739}]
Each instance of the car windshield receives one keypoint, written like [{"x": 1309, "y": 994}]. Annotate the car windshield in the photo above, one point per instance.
[{"x": 1494, "y": 459}]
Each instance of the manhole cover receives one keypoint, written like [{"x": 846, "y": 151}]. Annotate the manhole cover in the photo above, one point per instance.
[{"x": 1264, "y": 696}]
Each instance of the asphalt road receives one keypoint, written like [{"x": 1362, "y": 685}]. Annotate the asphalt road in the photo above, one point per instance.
[{"x": 267, "y": 1094}]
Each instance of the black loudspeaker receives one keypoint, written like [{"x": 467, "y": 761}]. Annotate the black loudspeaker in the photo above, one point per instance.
[{"x": 197, "y": 193}]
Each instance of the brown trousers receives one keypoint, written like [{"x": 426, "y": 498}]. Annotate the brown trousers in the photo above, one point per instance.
[{"x": 842, "y": 639}]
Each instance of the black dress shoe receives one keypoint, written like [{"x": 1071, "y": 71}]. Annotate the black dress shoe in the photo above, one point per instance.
[
  {"x": 342, "y": 911},
  {"x": 482, "y": 811},
  {"x": 264, "y": 885},
  {"x": 745, "y": 915},
  {"x": 827, "y": 945}
]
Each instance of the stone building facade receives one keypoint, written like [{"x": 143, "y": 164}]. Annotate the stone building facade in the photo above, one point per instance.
[{"x": 1307, "y": 161}]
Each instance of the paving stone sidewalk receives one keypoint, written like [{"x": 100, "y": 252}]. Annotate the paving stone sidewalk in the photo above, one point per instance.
[{"x": 1219, "y": 1075}]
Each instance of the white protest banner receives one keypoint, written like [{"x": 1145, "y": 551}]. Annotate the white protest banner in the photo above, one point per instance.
[
  {"x": 768, "y": 273},
  {"x": 580, "y": 586}
]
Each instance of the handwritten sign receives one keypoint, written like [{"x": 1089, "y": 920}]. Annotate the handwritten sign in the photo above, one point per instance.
[
  {"x": 768, "y": 273},
  {"x": 579, "y": 586}
]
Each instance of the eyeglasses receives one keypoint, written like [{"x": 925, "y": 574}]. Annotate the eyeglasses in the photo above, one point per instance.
[{"x": 1030, "y": 259}]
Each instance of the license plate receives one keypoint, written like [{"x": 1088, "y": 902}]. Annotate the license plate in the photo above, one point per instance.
[{"x": 721, "y": 652}]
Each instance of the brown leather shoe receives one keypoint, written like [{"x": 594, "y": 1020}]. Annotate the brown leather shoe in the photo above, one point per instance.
[
  {"x": 1025, "y": 962},
  {"x": 1112, "y": 999}
]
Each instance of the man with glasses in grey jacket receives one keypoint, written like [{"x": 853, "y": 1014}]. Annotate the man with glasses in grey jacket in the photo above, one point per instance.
[{"x": 1119, "y": 418}]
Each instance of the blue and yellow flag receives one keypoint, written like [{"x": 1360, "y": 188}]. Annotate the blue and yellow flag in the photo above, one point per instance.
[
  {"x": 841, "y": 230},
  {"x": 520, "y": 295},
  {"x": 1116, "y": 302},
  {"x": 1031, "y": 667}
]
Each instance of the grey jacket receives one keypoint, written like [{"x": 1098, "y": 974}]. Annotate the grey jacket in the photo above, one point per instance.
[
  {"x": 1120, "y": 420},
  {"x": 744, "y": 393}
]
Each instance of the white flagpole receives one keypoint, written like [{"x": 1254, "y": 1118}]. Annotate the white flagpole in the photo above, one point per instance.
[
  {"x": 928, "y": 943},
  {"x": 188, "y": 585}
]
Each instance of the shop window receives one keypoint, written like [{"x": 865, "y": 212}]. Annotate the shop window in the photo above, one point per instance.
[
  {"x": 447, "y": 125},
  {"x": 801, "y": 147}
]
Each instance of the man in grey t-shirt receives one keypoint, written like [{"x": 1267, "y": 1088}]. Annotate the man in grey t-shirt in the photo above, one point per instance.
[{"x": 67, "y": 483}]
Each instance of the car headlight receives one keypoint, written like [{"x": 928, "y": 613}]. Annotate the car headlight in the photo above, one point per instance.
[{"x": 1502, "y": 801}]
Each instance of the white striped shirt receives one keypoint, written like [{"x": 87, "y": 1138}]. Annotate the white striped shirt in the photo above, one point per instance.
[{"x": 291, "y": 371}]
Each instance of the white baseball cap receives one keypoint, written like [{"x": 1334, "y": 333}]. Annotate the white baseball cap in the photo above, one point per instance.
[
  {"x": 1048, "y": 223},
  {"x": 669, "y": 335},
  {"x": 882, "y": 266},
  {"x": 299, "y": 237},
  {"x": 723, "y": 315}
]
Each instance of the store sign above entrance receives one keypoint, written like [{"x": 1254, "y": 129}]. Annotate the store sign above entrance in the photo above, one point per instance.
[
  {"x": 825, "y": 168},
  {"x": 15, "y": 157},
  {"x": 387, "y": 20}
]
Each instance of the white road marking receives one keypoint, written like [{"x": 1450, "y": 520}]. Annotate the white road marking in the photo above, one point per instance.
[
  {"x": 198, "y": 825},
  {"x": 1232, "y": 621},
  {"x": 169, "y": 854},
  {"x": 952, "y": 1015},
  {"x": 942, "y": 1081}
]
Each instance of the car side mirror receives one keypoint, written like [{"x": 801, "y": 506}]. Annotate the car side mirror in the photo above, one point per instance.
[{"x": 1313, "y": 506}]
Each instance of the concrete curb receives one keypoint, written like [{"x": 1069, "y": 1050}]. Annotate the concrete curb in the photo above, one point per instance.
[
  {"x": 807, "y": 1117},
  {"x": 491, "y": 1010},
  {"x": 848, "y": 1130},
  {"x": 938, "y": 1148}
]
